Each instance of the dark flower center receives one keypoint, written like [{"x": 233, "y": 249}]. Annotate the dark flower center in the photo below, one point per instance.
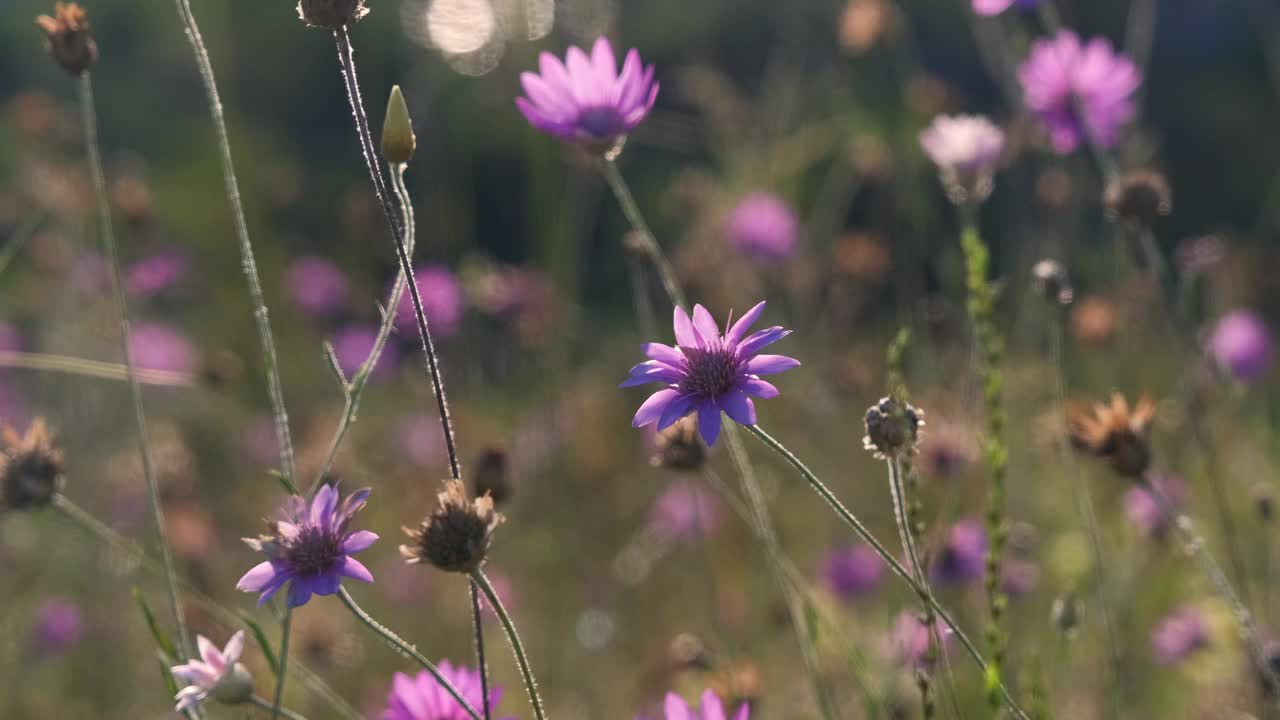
[
  {"x": 600, "y": 122},
  {"x": 313, "y": 552},
  {"x": 710, "y": 372}
]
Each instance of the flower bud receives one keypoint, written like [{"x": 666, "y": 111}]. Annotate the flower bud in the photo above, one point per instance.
[
  {"x": 398, "y": 140},
  {"x": 331, "y": 13},
  {"x": 235, "y": 687},
  {"x": 69, "y": 40},
  {"x": 30, "y": 468},
  {"x": 893, "y": 428}
]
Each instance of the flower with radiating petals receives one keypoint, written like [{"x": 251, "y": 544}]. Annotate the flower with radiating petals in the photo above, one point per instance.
[
  {"x": 1179, "y": 634},
  {"x": 711, "y": 708},
  {"x": 708, "y": 372},
  {"x": 1079, "y": 91},
  {"x": 995, "y": 7},
  {"x": 218, "y": 674},
  {"x": 1241, "y": 344},
  {"x": 851, "y": 571},
  {"x": 586, "y": 99},
  {"x": 317, "y": 285},
  {"x": 763, "y": 227},
  {"x": 441, "y": 297},
  {"x": 310, "y": 549},
  {"x": 421, "y": 697}
]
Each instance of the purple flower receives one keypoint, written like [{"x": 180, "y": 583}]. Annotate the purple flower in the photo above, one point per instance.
[
  {"x": 963, "y": 557},
  {"x": 763, "y": 227},
  {"x": 684, "y": 510},
  {"x": 675, "y": 708},
  {"x": 851, "y": 570},
  {"x": 153, "y": 346},
  {"x": 58, "y": 627},
  {"x": 420, "y": 439},
  {"x": 1062, "y": 80},
  {"x": 156, "y": 273},
  {"x": 1179, "y": 634},
  {"x": 909, "y": 639},
  {"x": 963, "y": 144},
  {"x": 310, "y": 548},
  {"x": 441, "y": 301},
  {"x": 352, "y": 345},
  {"x": 421, "y": 697},
  {"x": 995, "y": 7},
  {"x": 317, "y": 285},
  {"x": 218, "y": 674},
  {"x": 1241, "y": 344},
  {"x": 1143, "y": 510},
  {"x": 585, "y": 99},
  {"x": 709, "y": 372}
]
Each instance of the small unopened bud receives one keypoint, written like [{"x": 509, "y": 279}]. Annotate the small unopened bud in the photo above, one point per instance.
[
  {"x": 235, "y": 687},
  {"x": 331, "y": 13},
  {"x": 70, "y": 42},
  {"x": 1066, "y": 613},
  {"x": 30, "y": 468},
  {"x": 1140, "y": 197},
  {"x": 893, "y": 428},
  {"x": 1051, "y": 281},
  {"x": 398, "y": 140},
  {"x": 491, "y": 475},
  {"x": 456, "y": 536}
]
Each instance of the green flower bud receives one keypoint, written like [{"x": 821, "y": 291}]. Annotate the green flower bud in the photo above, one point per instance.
[{"x": 398, "y": 140}]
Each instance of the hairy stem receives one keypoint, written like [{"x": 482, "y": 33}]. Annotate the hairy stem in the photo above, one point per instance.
[
  {"x": 285, "y": 628},
  {"x": 517, "y": 648},
  {"x": 477, "y": 624},
  {"x": 645, "y": 241},
  {"x": 907, "y": 535}
]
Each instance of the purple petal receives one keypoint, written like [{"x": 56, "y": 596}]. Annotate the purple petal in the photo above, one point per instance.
[
  {"x": 705, "y": 324},
  {"x": 709, "y": 422},
  {"x": 652, "y": 371},
  {"x": 210, "y": 653},
  {"x": 195, "y": 672},
  {"x": 548, "y": 99},
  {"x": 234, "y": 649},
  {"x": 757, "y": 341},
  {"x": 188, "y": 697},
  {"x": 258, "y": 578},
  {"x": 358, "y": 542},
  {"x": 628, "y": 89},
  {"x": 676, "y": 409},
  {"x": 738, "y": 407},
  {"x": 712, "y": 709},
  {"x": 674, "y": 708},
  {"x": 273, "y": 587},
  {"x": 299, "y": 592},
  {"x": 652, "y": 408},
  {"x": 555, "y": 75},
  {"x": 685, "y": 334},
  {"x": 735, "y": 334},
  {"x": 744, "y": 712},
  {"x": 353, "y": 504},
  {"x": 663, "y": 354},
  {"x": 606, "y": 68},
  {"x": 771, "y": 364},
  {"x": 330, "y": 582},
  {"x": 356, "y": 570},
  {"x": 322, "y": 507},
  {"x": 758, "y": 388}
]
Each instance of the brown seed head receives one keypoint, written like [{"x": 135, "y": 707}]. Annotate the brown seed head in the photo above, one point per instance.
[
  {"x": 456, "y": 536},
  {"x": 331, "y": 13},
  {"x": 1140, "y": 197},
  {"x": 69, "y": 40},
  {"x": 893, "y": 428},
  {"x": 31, "y": 470},
  {"x": 679, "y": 447},
  {"x": 1115, "y": 433}
]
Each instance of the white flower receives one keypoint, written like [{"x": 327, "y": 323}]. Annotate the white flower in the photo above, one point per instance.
[{"x": 218, "y": 674}]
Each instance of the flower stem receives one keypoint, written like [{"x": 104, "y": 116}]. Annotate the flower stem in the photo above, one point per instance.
[
  {"x": 249, "y": 264},
  {"x": 93, "y": 368},
  {"x": 477, "y": 623},
  {"x": 530, "y": 684},
  {"x": 399, "y": 645},
  {"x": 285, "y": 628},
  {"x": 285, "y": 712},
  {"x": 861, "y": 530},
  {"x": 907, "y": 534},
  {"x": 645, "y": 240},
  {"x": 135, "y": 389}
]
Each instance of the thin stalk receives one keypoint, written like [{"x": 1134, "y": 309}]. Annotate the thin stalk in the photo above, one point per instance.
[
  {"x": 18, "y": 239},
  {"x": 477, "y": 625},
  {"x": 395, "y": 642},
  {"x": 285, "y": 628},
  {"x": 907, "y": 535},
  {"x": 645, "y": 241},
  {"x": 93, "y": 368},
  {"x": 517, "y": 648},
  {"x": 135, "y": 389},
  {"x": 861, "y": 530},
  {"x": 285, "y": 712},
  {"x": 248, "y": 263}
]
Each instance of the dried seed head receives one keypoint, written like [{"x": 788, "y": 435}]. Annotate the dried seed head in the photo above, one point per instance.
[
  {"x": 893, "y": 428},
  {"x": 331, "y": 13},
  {"x": 398, "y": 140},
  {"x": 679, "y": 447},
  {"x": 1051, "y": 281},
  {"x": 1140, "y": 197},
  {"x": 491, "y": 476},
  {"x": 69, "y": 40},
  {"x": 456, "y": 536},
  {"x": 1115, "y": 433},
  {"x": 30, "y": 467}
]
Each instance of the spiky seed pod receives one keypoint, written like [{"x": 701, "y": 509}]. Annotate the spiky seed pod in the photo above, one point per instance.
[
  {"x": 893, "y": 428},
  {"x": 1140, "y": 197},
  {"x": 31, "y": 470},
  {"x": 679, "y": 448},
  {"x": 70, "y": 41},
  {"x": 331, "y": 13},
  {"x": 1116, "y": 434},
  {"x": 456, "y": 536}
]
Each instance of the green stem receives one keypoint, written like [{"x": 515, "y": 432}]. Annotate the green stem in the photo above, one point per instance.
[
  {"x": 522, "y": 660},
  {"x": 861, "y": 530},
  {"x": 287, "y": 713},
  {"x": 92, "y": 368},
  {"x": 395, "y": 642},
  {"x": 907, "y": 535},
  {"x": 285, "y": 627},
  {"x": 135, "y": 389},
  {"x": 645, "y": 240}
]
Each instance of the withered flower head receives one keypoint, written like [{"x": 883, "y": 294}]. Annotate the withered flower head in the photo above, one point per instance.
[
  {"x": 69, "y": 40},
  {"x": 1115, "y": 433},
  {"x": 678, "y": 447},
  {"x": 893, "y": 428},
  {"x": 1139, "y": 196},
  {"x": 331, "y": 13},
  {"x": 491, "y": 475},
  {"x": 454, "y": 538},
  {"x": 1051, "y": 281},
  {"x": 30, "y": 467}
]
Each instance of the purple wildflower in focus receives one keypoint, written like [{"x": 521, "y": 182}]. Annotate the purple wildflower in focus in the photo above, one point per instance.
[
  {"x": 1143, "y": 510},
  {"x": 995, "y": 7},
  {"x": 441, "y": 301},
  {"x": 153, "y": 346},
  {"x": 711, "y": 708},
  {"x": 1180, "y": 634},
  {"x": 58, "y": 627},
  {"x": 963, "y": 557},
  {"x": 586, "y": 99},
  {"x": 851, "y": 571},
  {"x": 685, "y": 511},
  {"x": 421, "y": 698},
  {"x": 218, "y": 674},
  {"x": 352, "y": 345},
  {"x": 317, "y": 285},
  {"x": 763, "y": 226},
  {"x": 708, "y": 372},
  {"x": 310, "y": 548},
  {"x": 156, "y": 273},
  {"x": 1241, "y": 344},
  {"x": 1063, "y": 79}
]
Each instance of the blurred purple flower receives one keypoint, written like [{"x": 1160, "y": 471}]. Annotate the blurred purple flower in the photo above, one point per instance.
[
  {"x": 763, "y": 227},
  {"x": 1143, "y": 510},
  {"x": 850, "y": 571},
  {"x": 421, "y": 697},
  {"x": 1179, "y": 634},
  {"x": 963, "y": 557},
  {"x": 963, "y": 144},
  {"x": 218, "y": 674},
  {"x": 352, "y": 345},
  {"x": 709, "y": 372},
  {"x": 420, "y": 439},
  {"x": 153, "y": 346},
  {"x": 441, "y": 301},
  {"x": 90, "y": 274},
  {"x": 1062, "y": 80},
  {"x": 1241, "y": 343},
  {"x": 10, "y": 338},
  {"x": 995, "y": 7},
  {"x": 685, "y": 511},
  {"x": 310, "y": 548},
  {"x": 1018, "y": 576},
  {"x": 711, "y": 708},
  {"x": 585, "y": 99},
  {"x": 317, "y": 285},
  {"x": 58, "y": 627},
  {"x": 156, "y": 273},
  {"x": 909, "y": 639},
  {"x": 260, "y": 440}
]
